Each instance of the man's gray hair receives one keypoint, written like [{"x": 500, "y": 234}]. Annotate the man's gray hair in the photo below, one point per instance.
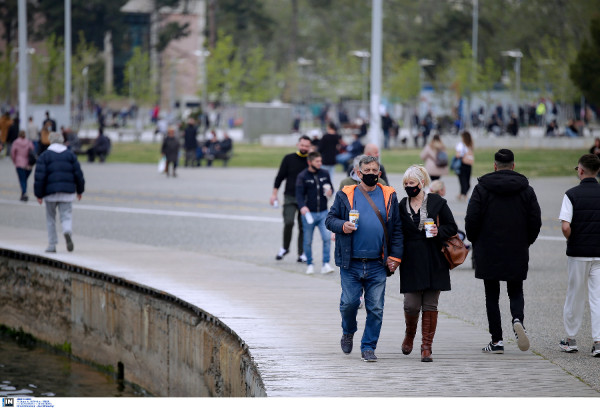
[
  {"x": 56, "y": 137},
  {"x": 366, "y": 160}
]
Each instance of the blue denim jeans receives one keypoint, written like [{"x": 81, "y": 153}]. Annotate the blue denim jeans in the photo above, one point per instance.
[
  {"x": 23, "y": 176},
  {"x": 319, "y": 222},
  {"x": 371, "y": 277}
]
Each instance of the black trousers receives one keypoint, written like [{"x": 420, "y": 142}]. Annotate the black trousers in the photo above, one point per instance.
[
  {"x": 492, "y": 297},
  {"x": 465, "y": 178}
]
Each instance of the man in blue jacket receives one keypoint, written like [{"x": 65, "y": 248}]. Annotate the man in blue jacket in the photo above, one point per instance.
[
  {"x": 313, "y": 188},
  {"x": 363, "y": 254},
  {"x": 58, "y": 180}
]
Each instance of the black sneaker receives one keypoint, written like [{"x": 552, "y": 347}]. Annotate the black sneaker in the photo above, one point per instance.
[
  {"x": 282, "y": 252},
  {"x": 70, "y": 245},
  {"x": 369, "y": 356},
  {"x": 568, "y": 345},
  {"x": 346, "y": 343},
  {"x": 492, "y": 348},
  {"x": 521, "y": 335},
  {"x": 596, "y": 349}
]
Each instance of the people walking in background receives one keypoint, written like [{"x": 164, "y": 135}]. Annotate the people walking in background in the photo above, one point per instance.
[
  {"x": 313, "y": 188},
  {"x": 5, "y": 123},
  {"x": 329, "y": 148},
  {"x": 362, "y": 253},
  {"x": 503, "y": 220},
  {"x": 580, "y": 223},
  {"x": 354, "y": 149},
  {"x": 58, "y": 181},
  {"x": 32, "y": 133},
  {"x": 13, "y": 133},
  {"x": 100, "y": 148},
  {"x": 48, "y": 126},
  {"x": 291, "y": 165},
  {"x": 170, "y": 149},
  {"x": 464, "y": 151},
  {"x": 191, "y": 144},
  {"x": 424, "y": 272},
  {"x": 353, "y": 179},
  {"x": 20, "y": 157},
  {"x": 386, "y": 126},
  {"x": 438, "y": 187},
  {"x": 372, "y": 150},
  {"x": 435, "y": 157}
]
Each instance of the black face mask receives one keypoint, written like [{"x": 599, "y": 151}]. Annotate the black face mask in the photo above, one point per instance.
[
  {"x": 412, "y": 191},
  {"x": 370, "y": 179}
]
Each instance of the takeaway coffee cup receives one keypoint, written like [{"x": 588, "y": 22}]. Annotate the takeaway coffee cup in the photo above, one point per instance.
[
  {"x": 354, "y": 217},
  {"x": 428, "y": 224}
]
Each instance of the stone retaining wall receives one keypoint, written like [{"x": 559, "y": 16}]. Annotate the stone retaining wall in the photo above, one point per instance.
[{"x": 164, "y": 345}]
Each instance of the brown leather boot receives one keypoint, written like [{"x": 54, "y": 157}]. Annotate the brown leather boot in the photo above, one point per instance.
[
  {"x": 409, "y": 334},
  {"x": 428, "y": 326}
]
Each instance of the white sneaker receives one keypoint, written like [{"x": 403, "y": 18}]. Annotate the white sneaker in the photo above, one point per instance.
[
  {"x": 310, "y": 270},
  {"x": 326, "y": 269}
]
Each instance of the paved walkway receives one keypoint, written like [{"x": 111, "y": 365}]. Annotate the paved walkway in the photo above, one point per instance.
[{"x": 292, "y": 326}]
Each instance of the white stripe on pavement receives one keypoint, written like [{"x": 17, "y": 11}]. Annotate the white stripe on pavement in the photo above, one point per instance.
[
  {"x": 216, "y": 216},
  {"x": 145, "y": 211}
]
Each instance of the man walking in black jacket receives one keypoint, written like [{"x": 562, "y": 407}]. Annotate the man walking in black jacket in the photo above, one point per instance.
[
  {"x": 291, "y": 165},
  {"x": 313, "y": 188},
  {"x": 503, "y": 220}
]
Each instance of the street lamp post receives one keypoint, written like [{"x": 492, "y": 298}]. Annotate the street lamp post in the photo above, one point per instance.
[
  {"x": 517, "y": 55},
  {"x": 22, "y": 18},
  {"x": 364, "y": 56},
  {"x": 84, "y": 72},
  {"x": 202, "y": 55},
  {"x": 303, "y": 62},
  {"x": 375, "y": 132}
]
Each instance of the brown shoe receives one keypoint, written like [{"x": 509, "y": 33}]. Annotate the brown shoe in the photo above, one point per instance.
[{"x": 409, "y": 334}]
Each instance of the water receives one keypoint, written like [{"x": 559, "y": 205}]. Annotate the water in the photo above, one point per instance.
[{"x": 39, "y": 372}]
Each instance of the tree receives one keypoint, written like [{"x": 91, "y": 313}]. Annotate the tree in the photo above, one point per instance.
[
  {"x": 137, "y": 77},
  {"x": 585, "y": 71},
  {"x": 47, "y": 81},
  {"x": 236, "y": 78},
  {"x": 7, "y": 68}
]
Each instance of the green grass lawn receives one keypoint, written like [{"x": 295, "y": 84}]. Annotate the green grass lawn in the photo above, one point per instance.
[{"x": 531, "y": 162}]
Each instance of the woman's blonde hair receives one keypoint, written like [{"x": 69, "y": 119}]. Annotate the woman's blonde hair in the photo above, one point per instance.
[
  {"x": 418, "y": 173},
  {"x": 437, "y": 186}
]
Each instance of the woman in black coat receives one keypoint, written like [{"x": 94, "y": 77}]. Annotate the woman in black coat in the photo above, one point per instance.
[
  {"x": 170, "y": 149},
  {"x": 424, "y": 271}
]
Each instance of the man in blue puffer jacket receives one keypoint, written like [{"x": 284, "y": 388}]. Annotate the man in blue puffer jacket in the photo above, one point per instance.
[{"x": 58, "y": 180}]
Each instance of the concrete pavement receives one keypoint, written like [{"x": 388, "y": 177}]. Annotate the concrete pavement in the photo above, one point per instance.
[{"x": 209, "y": 238}]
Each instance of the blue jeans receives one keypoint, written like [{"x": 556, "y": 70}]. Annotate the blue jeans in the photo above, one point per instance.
[
  {"x": 319, "y": 221},
  {"x": 23, "y": 176},
  {"x": 371, "y": 277}
]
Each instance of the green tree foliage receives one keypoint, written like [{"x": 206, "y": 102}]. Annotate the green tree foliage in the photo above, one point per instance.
[
  {"x": 93, "y": 17},
  {"x": 585, "y": 71},
  {"x": 85, "y": 55},
  {"x": 47, "y": 81},
  {"x": 237, "y": 78},
  {"x": 137, "y": 77},
  {"x": 405, "y": 81},
  {"x": 7, "y": 69}
]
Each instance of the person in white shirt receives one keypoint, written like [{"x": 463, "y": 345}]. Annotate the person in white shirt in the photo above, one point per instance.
[{"x": 580, "y": 219}]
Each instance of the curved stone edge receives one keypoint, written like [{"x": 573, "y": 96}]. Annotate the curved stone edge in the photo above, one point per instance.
[{"x": 165, "y": 345}]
